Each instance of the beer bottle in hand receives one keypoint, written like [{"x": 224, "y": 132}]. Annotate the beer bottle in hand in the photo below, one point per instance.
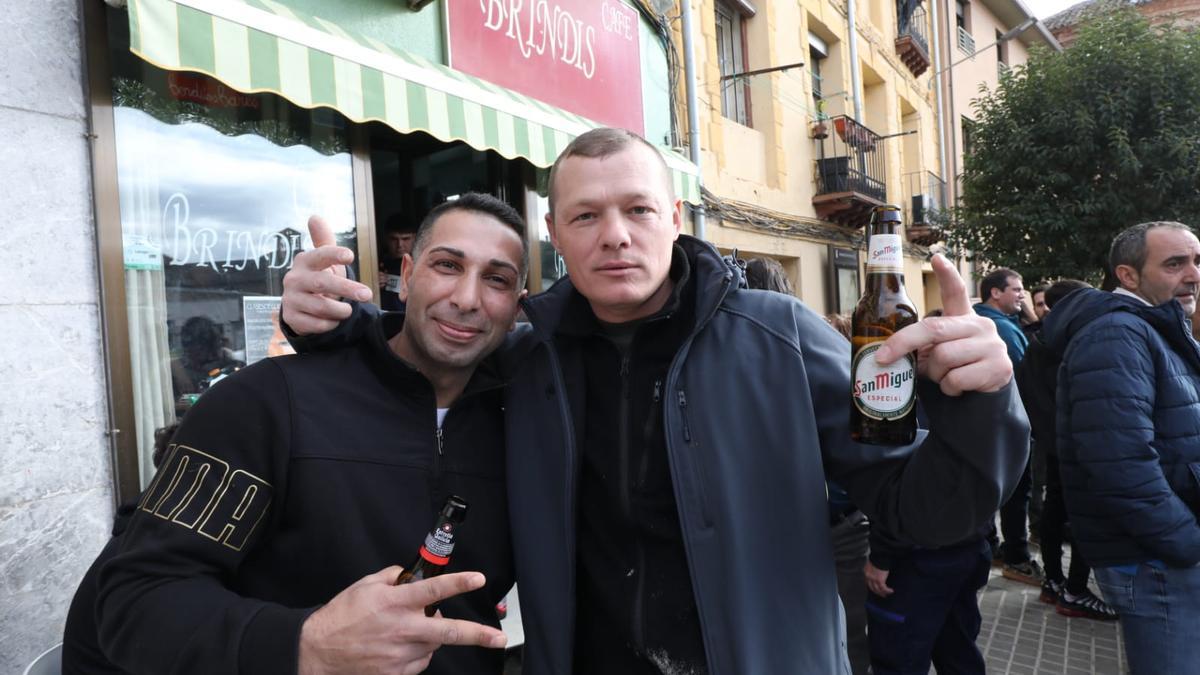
[
  {"x": 434, "y": 555},
  {"x": 884, "y": 410}
]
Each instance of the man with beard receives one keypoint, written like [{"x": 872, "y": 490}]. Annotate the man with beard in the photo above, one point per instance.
[
  {"x": 267, "y": 542},
  {"x": 1129, "y": 440}
]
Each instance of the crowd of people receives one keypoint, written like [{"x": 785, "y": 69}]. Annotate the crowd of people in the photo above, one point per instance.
[{"x": 657, "y": 448}]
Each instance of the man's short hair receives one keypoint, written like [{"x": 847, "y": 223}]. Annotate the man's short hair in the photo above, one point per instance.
[
  {"x": 476, "y": 202},
  {"x": 1061, "y": 288},
  {"x": 398, "y": 223},
  {"x": 767, "y": 274},
  {"x": 605, "y": 142},
  {"x": 997, "y": 279},
  {"x": 1129, "y": 246},
  {"x": 840, "y": 322},
  {"x": 1040, "y": 288}
]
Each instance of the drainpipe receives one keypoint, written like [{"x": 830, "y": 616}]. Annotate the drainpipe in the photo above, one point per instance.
[
  {"x": 937, "y": 83},
  {"x": 693, "y": 116},
  {"x": 952, "y": 177},
  {"x": 855, "y": 73}
]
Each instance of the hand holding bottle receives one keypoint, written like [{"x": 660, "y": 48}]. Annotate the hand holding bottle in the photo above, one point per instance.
[
  {"x": 375, "y": 626},
  {"x": 960, "y": 350}
]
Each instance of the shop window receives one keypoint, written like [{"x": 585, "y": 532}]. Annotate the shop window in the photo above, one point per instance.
[
  {"x": 552, "y": 265},
  {"x": 215, "y": 188},
  {"x": 731, "y": 55}
]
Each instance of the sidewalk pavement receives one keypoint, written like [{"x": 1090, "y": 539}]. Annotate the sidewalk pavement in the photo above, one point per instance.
[{"x": 1023, "y": 636}]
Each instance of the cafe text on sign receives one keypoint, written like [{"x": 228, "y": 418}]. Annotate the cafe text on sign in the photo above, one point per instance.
[{"x": 580, "y": 55}]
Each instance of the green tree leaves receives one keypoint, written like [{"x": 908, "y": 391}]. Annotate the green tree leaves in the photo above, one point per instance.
[{"x": 1076, "y": 146}]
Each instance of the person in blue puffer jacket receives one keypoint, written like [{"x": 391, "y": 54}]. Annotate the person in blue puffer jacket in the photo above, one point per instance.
[{"x": 1129, "y": 440}]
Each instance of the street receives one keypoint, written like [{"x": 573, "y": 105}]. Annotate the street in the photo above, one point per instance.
[{"x": 1022, "y": 636}]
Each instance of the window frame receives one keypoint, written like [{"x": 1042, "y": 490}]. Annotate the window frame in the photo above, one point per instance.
[
  {"x": 114, "y": 324},
  {"x": 730, "y": 20},
  {"x": 818, "y": 51}
]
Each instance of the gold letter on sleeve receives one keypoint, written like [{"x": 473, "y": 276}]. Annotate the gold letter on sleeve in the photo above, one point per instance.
[
  {"x": 236, "y": 511},
  {"x": 196, "y": 488}
]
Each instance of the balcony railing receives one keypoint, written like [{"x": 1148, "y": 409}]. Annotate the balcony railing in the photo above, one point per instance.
[
  {"x": 924, "y": 198},
  {"x": 912, "y": 43},
  {"x": 916, "y": 26},
  {"x": 850, "y": 173},
  {"x": 966, "y": 43}
]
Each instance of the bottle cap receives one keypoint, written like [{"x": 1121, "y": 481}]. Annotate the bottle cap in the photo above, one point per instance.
[
  {"x": 455, "y": 509},
  {"x": 888, "y": 213}
]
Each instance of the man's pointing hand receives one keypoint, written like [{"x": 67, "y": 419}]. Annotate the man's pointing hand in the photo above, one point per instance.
[{"x": 961, "y": 350}]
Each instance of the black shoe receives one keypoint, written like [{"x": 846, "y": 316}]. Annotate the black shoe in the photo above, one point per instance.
[
  {"x": 1086, "y": 606},
  {"x": 1052, "y": 590},
  {"x": 1028, "y": 572}
]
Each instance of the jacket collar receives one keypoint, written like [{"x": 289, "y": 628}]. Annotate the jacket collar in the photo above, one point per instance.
[
  {"x": 984, "y": 309},
  {"x": 1081, "y": 307}
]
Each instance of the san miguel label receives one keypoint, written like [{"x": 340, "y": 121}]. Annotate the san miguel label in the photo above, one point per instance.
[
  {"x": 885, "y": 254},
  {"x": 883, "y": 392}
]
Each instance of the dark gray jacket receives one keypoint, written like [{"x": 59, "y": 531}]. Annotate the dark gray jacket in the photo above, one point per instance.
[{"x": 758, "y": 414}]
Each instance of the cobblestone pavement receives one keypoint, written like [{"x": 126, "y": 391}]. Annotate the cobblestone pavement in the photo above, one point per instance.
[{"x": 1023, "y": 636}]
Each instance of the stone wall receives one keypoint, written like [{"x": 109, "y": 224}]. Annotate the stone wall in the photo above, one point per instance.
[{"x": 55, "y": 473}]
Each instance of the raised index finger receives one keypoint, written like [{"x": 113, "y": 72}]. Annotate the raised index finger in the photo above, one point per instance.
[
  {"x": 928, "y": 331},
  {"x": 332, "y": 258},
  {"x": 320, "y": 231},
  {"x": 955, "y": 299}
]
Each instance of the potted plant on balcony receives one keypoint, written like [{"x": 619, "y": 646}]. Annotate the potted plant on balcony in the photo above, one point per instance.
[{"x": 854, "y": 134}]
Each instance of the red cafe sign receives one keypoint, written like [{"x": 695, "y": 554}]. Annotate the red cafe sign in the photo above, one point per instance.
[{"x": 580, "y": 55}]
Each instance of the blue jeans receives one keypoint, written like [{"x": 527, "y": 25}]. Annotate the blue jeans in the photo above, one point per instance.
[{"x": 1160, "y": 612}]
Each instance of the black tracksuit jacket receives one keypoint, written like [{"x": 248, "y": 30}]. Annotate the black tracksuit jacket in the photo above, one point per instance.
[{"x": 288, "y": 482}]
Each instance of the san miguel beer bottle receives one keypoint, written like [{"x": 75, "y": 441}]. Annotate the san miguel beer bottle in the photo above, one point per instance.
[
  {"x": 434, "y": 554},
  {"x": 884, "y": 397}
]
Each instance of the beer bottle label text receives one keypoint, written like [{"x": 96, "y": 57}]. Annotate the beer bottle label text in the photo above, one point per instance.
[
  {"x": 883, "y": 392},
  {"x": 439, "y": 544},
  {"x": 884, "y": 254}
]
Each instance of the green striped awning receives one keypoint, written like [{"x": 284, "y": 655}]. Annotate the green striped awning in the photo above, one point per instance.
[{"x": 261, "y": 46}]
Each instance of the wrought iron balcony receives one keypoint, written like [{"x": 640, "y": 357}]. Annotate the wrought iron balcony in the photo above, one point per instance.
[
  {"x": 850, "y": 173},
  {"x": 912, "y": 44}
]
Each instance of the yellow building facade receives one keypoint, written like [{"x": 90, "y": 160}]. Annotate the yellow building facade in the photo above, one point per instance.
[{"x": 794, "y": 158}]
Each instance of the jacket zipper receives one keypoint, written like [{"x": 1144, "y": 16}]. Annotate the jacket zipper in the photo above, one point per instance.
[
  {"x": 689, "y": 528},
  {"x": 687, "y": 433},
  {"x": 623, "y": 441},
  {"x": 436, "y": 478}
]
